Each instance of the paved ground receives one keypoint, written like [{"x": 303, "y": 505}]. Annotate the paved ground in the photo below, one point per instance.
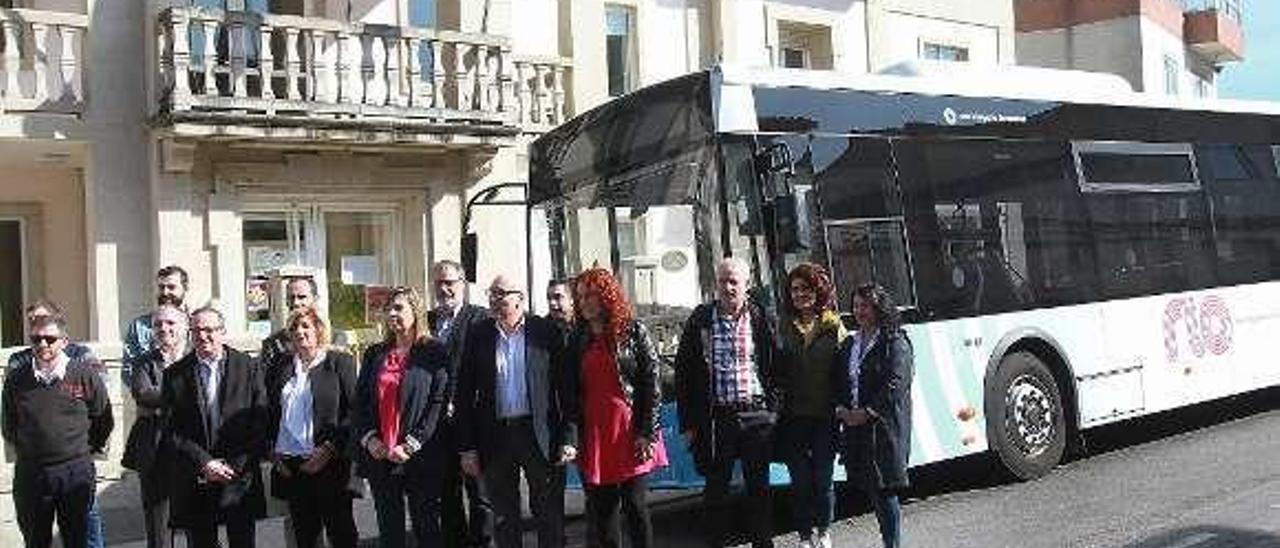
[{"x": 1208, "y": 477}]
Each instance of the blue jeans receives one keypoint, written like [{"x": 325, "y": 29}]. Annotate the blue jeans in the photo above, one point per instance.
[
  {"x": 889, "y": 515},
  {"x": 810, "y": 449},
  {"x": 389, "y": 494},
  {"x": 93, "y": 535}
]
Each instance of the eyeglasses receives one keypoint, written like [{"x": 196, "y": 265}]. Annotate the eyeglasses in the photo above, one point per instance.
[
  {"x": 449, "y": 282},
  {"x": 498, "y": 294},
  {"x": 49, "y": 340}
]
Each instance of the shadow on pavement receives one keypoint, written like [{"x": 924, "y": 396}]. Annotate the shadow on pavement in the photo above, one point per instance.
[{"x": 1209, "y": 537}]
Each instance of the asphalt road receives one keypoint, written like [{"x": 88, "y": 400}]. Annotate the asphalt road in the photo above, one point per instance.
[{"x": 1206, "y": 477}]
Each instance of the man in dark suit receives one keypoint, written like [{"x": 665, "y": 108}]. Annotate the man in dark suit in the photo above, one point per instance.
[
  {"x": 299, "y": 292},
  {"x": 509, "y": 418},
  {"x": 452, "y": 321},
  {"x": 218, "y": 424}
]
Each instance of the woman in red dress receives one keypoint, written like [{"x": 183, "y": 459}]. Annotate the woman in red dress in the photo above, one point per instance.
[{"x": 613, "y": 370}]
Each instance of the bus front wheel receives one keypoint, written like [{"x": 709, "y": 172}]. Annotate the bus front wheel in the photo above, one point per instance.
[{"x": 1025, "y": 416}]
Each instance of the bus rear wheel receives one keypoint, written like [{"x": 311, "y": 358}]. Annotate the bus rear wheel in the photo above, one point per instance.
[{"x": 1025, "y": 418}]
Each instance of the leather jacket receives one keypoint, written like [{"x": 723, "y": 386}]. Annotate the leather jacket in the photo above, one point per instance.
[{"x": 638, "y": 369}]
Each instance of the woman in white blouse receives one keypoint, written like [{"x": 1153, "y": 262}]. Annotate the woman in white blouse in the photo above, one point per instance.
[{"x": 311, "y": 400}]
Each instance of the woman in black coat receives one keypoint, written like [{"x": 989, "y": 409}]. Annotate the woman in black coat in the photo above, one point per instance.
[
  {"x": 310, "y": 393},
  {"x": 872, "y": 380},
  {"x": 400, "y": 399}
]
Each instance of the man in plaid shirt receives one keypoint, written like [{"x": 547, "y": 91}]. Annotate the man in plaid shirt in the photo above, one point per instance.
[{"x": 726, "y": 402}]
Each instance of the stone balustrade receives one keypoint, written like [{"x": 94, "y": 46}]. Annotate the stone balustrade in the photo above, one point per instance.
[
  {"x": 43, "y": 61},
  {"x": 280, "y": 67}
]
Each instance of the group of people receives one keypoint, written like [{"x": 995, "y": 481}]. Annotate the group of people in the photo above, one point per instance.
[{"x": 455, "y": 405}]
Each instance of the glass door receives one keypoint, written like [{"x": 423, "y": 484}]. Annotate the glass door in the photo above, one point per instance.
[
  {"x": 353, "y": 252},
  {"x": 360, "y": 260}
]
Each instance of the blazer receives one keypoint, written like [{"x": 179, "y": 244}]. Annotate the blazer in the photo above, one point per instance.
[
  {"x": 238, "y": 438},
  {"x": 477, "y": 403},
  {"x": 464, "y": 322},
  {"x": 876, "y": 453},
  {"x": 333, "y": 387},
  {"x": 148, "y": 443},
  {"x": 638, "y": 369},
  {"x": 422, "y": 404},
  {"x": 694, "y": 398}
]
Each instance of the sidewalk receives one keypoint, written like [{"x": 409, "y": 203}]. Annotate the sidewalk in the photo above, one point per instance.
[{"x": 123, "y": 520}]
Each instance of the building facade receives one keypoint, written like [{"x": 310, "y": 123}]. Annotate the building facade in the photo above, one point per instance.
[{"x": 1171, "y": 47}]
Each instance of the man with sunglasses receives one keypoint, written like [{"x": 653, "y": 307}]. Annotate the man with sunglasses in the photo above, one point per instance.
[
  {"x": 509, "y": 420},
  {"x": 38, "y": 310},
  {"x": 451, "y": 321},
  {"x": 56, "y": 413}
]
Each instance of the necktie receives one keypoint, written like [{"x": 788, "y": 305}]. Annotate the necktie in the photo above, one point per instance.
[{"x": 211, "y": 394}]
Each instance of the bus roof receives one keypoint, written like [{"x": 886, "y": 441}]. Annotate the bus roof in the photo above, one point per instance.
[{"x": 990, "y": 81}]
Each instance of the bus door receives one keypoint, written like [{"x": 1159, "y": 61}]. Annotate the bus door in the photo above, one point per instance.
[{"x": 645, "y": 227}]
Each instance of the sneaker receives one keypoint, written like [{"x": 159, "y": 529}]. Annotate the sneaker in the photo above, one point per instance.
[
  {"x": 824, "y": 539},
  {"x": 805, "y": 542}
]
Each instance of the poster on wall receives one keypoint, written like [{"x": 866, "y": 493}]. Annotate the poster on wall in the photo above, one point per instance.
[
  {"x": 375, "y": 299},
  {"x": 263, "y": 259},
  {"x": 360, "y": 269}
]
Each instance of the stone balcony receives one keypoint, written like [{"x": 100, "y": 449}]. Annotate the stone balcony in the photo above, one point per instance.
[
  {"x": 1213, "y": 29},
  {"x": 247, "y": 76},
  {"x": 43, "y": 60}
]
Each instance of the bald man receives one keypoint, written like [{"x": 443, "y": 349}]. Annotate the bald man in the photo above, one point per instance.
[{"x": 509, "y": 420}]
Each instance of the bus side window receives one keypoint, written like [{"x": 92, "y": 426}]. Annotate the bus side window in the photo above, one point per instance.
[
  {"x": 1242, "y": 186},
  {"x": 994, "y": 226}
]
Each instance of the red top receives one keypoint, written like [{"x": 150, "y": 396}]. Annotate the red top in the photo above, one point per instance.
[
  {"x": 389, "y": 397},
  {"x": 608, "y": 436}
]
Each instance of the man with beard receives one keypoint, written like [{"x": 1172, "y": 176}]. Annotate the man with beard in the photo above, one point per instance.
[
  {"x": 171, "y": 290},
  {"x": 451, "y": 321},
  {"x": 56, "y": 413},
  {"x": 299, "y": 292}
]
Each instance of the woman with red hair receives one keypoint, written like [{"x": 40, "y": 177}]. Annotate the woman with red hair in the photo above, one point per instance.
[{"x": 613, "y": 370}]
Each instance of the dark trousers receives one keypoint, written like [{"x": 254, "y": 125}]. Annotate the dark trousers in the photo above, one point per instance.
[
  {"x": 155, "y": 506},
  {"x": 240, "y": 524},
  {"x": 603, "y": 525},
  {"x": 421, "y": 489},
  {"x": 63, "y": 491},
  {"x": 809, "y": 446},
  {"x": 320, "y": 503},
  {"x": 518, "y": 451},
  {"x": 744, "y": 436},
  {"x": 465, "y": 523}
]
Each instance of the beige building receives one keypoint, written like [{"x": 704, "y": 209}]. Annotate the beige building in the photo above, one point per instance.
[
  {"x": 346, "y": 137},
  {"x": 1171, "y": 47}
]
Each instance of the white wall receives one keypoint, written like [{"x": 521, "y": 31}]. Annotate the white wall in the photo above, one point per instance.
[
  {"x": 900, "y": 37},
  {"x": 847, "y": 21}
]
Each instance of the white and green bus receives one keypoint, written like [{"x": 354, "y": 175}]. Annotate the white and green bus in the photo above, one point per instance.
[{"x": 1067, "y": 253}]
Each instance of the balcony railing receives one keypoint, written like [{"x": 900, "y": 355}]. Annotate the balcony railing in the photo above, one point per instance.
[
  {"x": 43, "y": 61},
  {"x": 1228, "y": 8},
  {"x": 215, "y": 65}
]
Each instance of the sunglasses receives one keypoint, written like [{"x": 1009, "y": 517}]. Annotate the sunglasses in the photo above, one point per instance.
[{"x": 49, "y": 340}]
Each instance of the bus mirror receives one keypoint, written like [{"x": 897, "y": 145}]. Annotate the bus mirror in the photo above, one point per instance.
[
  {"x": 790, "y": 222},
  {"x": 469, "y": 243}
]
